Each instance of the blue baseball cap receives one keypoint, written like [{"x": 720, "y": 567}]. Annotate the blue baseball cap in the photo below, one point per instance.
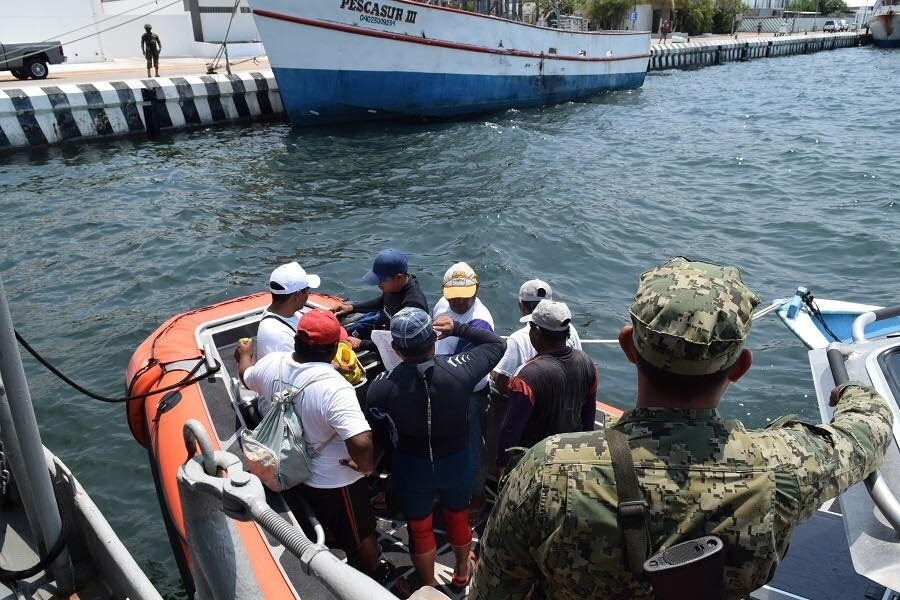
[
  {"x": 411, "y": 327},
  {"x": 387, "y": 264}
]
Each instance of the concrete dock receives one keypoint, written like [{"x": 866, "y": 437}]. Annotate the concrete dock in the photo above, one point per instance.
[{"x": 94, "y": 100}]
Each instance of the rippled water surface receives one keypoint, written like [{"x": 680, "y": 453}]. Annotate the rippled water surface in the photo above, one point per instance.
[{"x": 786, "y": 167}]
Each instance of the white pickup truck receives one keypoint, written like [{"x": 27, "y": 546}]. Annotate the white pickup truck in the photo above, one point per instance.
[{"x": 30, "y": 59}]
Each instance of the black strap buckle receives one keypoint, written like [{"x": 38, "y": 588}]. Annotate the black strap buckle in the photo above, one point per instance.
[{"x": 633, "y": 513}]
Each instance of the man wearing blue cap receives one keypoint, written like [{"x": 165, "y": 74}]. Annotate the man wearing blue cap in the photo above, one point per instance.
[
  {"x": 424, "y": 401},
  {"x": 398, "y": 288}
]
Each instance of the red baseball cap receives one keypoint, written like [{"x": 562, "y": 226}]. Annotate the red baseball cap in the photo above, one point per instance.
[{"x": 320, "y": 328}]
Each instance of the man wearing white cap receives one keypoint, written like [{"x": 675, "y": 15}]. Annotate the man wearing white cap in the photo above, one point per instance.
[
  {"x": 289, "y": 285},
  {"x": 556, "y": 392},
  {"x": 460, "y": 303},
  {"x": 518, "y": 347}
]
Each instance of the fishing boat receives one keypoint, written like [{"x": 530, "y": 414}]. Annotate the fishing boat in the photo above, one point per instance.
[
  {"x": 821, "y": 321},
  {"x": 884, "y": 25},
  {"x": 351, "y": 60},
  {"x": 54, "y": 541}
]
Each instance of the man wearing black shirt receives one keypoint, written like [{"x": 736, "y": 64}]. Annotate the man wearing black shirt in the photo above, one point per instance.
[
  {"x": 554, "y": 392},
  {"x": 398, "y": 288},
  {"x": 424, "y": 402}
]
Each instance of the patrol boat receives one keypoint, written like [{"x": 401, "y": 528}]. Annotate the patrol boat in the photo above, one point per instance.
[
  {"x": 54, "y": 541},
  {"x": 860, "y": 342}
]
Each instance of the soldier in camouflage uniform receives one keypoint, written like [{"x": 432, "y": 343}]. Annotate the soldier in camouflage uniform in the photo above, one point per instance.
[
  {"x": 151, "y": 46},
  {"x": 555, "y": 524}
]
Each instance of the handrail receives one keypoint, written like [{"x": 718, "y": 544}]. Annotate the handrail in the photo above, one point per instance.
[
  {"x": 867, "y": 318},
  {"x": 879, "y": 491}
]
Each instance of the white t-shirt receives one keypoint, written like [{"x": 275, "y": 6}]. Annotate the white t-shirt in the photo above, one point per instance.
[
  {"x": 448, "y": 345},
  {"x": 328, "y": 406},
  {"x": 519, "y": 350},
  {"x": 274, "y": 336}
]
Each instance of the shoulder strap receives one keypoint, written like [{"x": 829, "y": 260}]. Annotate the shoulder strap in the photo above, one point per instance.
[
  {"x": 279, "y": 319},
  {"x": 632, "y": 509}
]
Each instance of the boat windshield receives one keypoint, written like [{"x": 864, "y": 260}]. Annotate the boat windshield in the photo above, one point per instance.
[{"x": 890, "y": 366}]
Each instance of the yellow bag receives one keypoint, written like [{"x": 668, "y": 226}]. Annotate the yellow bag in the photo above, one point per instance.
[{"x": 347, "y": 363}]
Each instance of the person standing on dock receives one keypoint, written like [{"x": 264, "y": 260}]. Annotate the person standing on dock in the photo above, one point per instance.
[
  {"x": 151, "y": 46},
  {"x": 574, "y": 522},
  {"x": 663, "y": 31}
]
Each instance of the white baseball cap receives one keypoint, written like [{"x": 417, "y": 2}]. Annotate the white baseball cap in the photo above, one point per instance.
[
  {"x": 550, "y": 315},
  {"x": 535, "y": 290},
  {"x": 291, "y": 278}
]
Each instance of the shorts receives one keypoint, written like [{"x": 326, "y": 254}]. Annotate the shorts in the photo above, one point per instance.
[
  {"x": 416, "y": 481},
  {"x": 346, "y": 512}
]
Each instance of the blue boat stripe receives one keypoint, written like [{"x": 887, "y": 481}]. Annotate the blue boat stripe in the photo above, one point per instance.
[
  {"x": 317, "y": 96},
  {"x": 262, "y": 93},
  {"x": 214, "y": 97},
  {"x": 238, "y": 91},
  {"x": 159, "y": 104},
  {"x": 186, "y": 96},
  {"x": 66, "y": 126},
  {"x": 95, "y": 108},
  {"x": 4, "y": 140},
  {"x": 25, "y": 115},
  {"x": 129, "y": 106}
]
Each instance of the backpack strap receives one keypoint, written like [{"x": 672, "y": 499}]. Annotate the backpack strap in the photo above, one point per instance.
[
  {"x": 280, "y": 320},
  {"x": 632, "y": 509}
]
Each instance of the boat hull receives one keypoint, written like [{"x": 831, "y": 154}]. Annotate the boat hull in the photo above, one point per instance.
[
  {"x": 884, "y": 27},
  {"x": 336, "y": 62}
]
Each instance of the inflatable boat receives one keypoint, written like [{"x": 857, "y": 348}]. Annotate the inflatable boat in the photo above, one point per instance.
[{"x": 185, "y": 371}]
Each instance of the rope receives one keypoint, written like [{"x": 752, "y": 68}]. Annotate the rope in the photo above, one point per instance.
[
  {"x": 55, "y": 551},
  {"x": 810, "y": 302},
  {"x": 189, "y": 379}
]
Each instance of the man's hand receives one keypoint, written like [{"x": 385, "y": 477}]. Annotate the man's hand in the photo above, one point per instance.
[
  {"x": 353, "y": 342},
  {"x": 443, "y": 326},
  {"x": 348, "y": 462},
  {"x": 836, "y": 392},
  {"x": 342, "y": 309},
  {"x": 244, "y": 349}
]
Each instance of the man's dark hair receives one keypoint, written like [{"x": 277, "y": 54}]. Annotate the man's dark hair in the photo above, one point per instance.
[
  {"x": 554, "y": 337},
  {"x": 684, "y": 385},
  {"x": 530, "y": 305},
  {"x": 425, "y": 350},
  {"x": 310, "y": 353}
]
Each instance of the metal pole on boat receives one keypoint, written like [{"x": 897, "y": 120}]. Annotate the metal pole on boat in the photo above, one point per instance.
[{"x": 31, "y": 471}]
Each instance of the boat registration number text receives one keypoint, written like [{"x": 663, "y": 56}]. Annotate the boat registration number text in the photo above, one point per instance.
[{"x": 381, "y": 14}]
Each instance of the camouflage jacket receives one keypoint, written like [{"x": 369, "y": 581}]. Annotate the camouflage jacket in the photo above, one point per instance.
[{"x": 555, "y": 522}]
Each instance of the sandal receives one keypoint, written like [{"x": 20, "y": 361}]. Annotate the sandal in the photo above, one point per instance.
[
  {"x": 458, "y": 583},
  {"x": 406, "y": 586}
]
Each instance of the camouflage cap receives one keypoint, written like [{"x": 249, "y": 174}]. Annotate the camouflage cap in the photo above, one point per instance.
[{"x": 690, "y": 317}]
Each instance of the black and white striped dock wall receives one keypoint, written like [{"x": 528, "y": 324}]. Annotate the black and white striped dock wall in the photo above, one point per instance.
[
  {"x": 41, "y": 115},
  {"x": 701, "y": 53}
]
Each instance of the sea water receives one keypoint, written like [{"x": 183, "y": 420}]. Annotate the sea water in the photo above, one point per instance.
[{"x": 785, "y": 167}]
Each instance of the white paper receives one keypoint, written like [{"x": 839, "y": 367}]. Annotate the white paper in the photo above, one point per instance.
[{"x": 389, "y": 357}]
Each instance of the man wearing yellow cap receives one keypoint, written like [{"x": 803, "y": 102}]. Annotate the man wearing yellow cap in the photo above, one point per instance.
[
  {"x": 559, "y": 522},
  {"x": 461, "y": 303}
]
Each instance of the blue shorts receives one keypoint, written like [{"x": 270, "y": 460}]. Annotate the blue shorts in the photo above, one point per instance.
[{"x": 416, "y": 483}]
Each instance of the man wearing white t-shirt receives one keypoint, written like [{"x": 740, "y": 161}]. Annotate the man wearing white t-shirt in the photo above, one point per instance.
[
  {"x": 460, "y": 303},
  {"x": 289, "y": 285},
  {"x": 334, "y": 428},
  {"x": 518, "y": 346}
]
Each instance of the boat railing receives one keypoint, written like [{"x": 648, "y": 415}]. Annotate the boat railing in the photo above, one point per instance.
[{"x": 213, "y": 486}]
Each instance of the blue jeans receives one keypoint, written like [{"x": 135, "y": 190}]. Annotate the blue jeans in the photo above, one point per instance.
[{"x": 478, "y": 409}]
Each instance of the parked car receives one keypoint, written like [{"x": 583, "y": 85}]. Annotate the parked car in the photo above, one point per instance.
[
  {"x": 854, "y": 26},
  {"x": 30, "y": 59},
  {"x": 829, "y": 27},
  {"x": 842, "y": 25}
]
